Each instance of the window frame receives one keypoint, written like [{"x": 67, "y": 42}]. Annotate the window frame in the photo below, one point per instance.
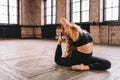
[
  {"x": 8, "y": 14},
  {"x": 71, "y": 12},
  {"x": 104, "y": 12},
  {"x": 52, "y": 14}
]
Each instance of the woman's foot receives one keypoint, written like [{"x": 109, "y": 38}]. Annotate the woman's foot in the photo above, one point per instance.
[{"x": 81, "y": 67}]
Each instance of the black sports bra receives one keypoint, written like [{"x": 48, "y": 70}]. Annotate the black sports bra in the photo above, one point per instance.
[{"x": 83, "y": 39}]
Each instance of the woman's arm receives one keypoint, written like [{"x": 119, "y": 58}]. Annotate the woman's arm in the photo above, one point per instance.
[
  {"x": 60, "y": 38},
  {"x": 58, "y": 52},
  {"x": 63, "y": 61}
]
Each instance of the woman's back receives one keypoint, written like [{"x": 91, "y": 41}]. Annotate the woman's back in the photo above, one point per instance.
[{"x": 85, "y": 43}]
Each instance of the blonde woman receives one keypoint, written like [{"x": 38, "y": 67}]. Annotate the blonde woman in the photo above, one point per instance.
[{"x": 79, "y": 49}]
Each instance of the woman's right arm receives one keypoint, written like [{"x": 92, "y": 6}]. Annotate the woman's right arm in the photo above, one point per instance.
[
  {"x": 58, "y": 52},
  {"x": 58, "y": 55},
  {"x": 60, "y": 38}
]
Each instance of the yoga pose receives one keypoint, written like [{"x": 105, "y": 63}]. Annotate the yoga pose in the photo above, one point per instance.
[{"x": 79, "y": 49}]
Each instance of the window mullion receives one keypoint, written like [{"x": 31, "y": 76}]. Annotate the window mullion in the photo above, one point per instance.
[
  {"x": 18, "y": 12},
  {"x": 119, "y": 11},
  {"x": 80, "y": 10},
  {"x": 71, "y": 10},
  {"x": 8, "y": 12},
  {"x": 45, "y": 12},
  {"x": 51, "y": 11},
  {"x": 103, "y": 10}
]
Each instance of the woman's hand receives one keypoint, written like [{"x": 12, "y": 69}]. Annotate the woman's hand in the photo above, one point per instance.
[{"x": 60, "y": 38}]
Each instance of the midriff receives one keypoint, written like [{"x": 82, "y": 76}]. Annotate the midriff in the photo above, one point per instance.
[{"x": 87, "y": 48}]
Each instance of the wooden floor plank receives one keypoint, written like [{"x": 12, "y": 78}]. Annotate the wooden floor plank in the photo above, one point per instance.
[
  {"x": 9, "y": 74},
  {"x": 34, "y": 60}
]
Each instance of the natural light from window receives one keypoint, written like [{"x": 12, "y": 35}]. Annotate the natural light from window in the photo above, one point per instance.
[
  {"x": 111, "y": 10},
  {"x": 8, "y": 12},
  {"x": 80, "y": 11},
  {"x": 50, "y": 15}
]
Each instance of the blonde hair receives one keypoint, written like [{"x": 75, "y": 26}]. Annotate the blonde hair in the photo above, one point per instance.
[{"x": 76, "y": 32}]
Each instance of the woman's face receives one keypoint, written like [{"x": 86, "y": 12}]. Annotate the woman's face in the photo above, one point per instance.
[
  {"x": 66, "y": 26},
  {"x": 66, "y": 31}
]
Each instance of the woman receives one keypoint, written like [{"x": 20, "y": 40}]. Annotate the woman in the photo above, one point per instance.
[{"x": 79, "y": 49}]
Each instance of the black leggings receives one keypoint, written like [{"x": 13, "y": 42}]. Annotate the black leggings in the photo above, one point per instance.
[{"x": 94, "y": 63}]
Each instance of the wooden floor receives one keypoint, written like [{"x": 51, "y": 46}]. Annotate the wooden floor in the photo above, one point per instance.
[{"x": 34, "y": 60}]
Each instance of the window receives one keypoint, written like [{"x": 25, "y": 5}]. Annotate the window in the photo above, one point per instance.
[
  {"x": 84, "y": 10},
  {"x": 79, "y": 11},
  {"x": 8, "y": 12},
  {"x": 111, "y": 10},
  {"x": 50, "y": 12}
]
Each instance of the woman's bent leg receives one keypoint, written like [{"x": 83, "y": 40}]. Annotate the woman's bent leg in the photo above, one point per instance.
[{"x": 96, "y": 63}]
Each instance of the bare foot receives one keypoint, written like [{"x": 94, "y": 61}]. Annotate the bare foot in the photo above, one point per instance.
[{"x": 81, "y": 67}]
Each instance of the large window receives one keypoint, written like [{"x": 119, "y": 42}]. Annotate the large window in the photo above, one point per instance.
[
  {"x": 111, "y": 10},
  {"x": 80, "y": 11},
  {"x": 50, "y": 11},
  {"x": 8, "y": 12}
]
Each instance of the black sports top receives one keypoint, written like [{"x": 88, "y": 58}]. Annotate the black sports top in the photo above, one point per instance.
[{"x": 83, "y": 39}]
